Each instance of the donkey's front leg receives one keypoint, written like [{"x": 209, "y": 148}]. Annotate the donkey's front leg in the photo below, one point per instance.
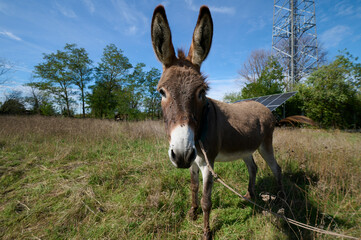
[
  {"x": 194, "y": 170},
  {"x": 206, "y": 201}
]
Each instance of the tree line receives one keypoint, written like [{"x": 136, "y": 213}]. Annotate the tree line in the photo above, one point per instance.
[
  {"x": 112, "y": 87},
  {"x": 329, "y": 95}
]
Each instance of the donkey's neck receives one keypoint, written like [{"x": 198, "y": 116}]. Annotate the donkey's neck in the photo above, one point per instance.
[
  {"x": 204, "y": 122},
  {"x": 209, "y": 129}
]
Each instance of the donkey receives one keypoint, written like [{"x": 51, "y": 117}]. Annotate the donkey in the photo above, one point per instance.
[{"x": 227, "y": 131}]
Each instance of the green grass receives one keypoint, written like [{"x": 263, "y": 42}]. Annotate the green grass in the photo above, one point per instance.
[{"x": 97, "y": 179}]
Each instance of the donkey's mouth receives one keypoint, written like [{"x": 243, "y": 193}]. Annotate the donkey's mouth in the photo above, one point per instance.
[{"x": 183, "y": 159}]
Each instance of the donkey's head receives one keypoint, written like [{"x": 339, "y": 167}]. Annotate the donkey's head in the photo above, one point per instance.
[{"x": 182, "y": 86}]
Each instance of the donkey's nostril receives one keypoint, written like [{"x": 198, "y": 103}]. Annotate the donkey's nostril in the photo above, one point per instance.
[{"x": 172, "y": 154}]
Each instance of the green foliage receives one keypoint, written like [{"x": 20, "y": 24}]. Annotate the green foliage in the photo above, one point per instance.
[
  {"x": 60, "y": 71},
  {"x": 47, "y": 109},
  {"x": 232, "y": 97},
  {"x": 151, "y": 97},
  {"x": 119, "y": 91},
  {"x": 119, "y": 88},
  {"x": 331, "y": 94},
  {"x": 270, "y": 81},
  {"x": 57, "y": 77},
  {"x": 39, "y": 100},
  {"x": 12, "y": 106},
  {"x": 130, "y": 96},
  {"x": 111, "y": 77},
  {"x": 79, "y": 65}
]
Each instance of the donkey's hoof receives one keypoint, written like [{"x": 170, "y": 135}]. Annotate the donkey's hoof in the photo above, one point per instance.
[
  {"x": 193, "y": 214},
  {"x": 249, "y": 196}
]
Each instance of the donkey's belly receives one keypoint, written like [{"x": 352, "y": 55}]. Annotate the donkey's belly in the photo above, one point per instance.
[{"x": 231, "y": 156}]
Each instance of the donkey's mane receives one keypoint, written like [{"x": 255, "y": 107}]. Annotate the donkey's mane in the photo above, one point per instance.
[{"x": 181, "y": 54}]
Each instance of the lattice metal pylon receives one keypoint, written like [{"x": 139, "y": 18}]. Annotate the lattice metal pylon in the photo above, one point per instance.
[{"x": 294, "y": 38}]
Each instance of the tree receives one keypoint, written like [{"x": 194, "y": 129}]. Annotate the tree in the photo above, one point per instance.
[
  {"x": 232, "y": 97},
  {"x": 39, "y": 99},
  {"x": 57, "y": 77},
  {"x": 133, "y": 91},
  {"x": 80, "y": 69},
  {"x": 252, "y": 68},
  {"x": 13, "y": 104},
  {"x": 5, "y": 68},
  {"x": 113, "y": 68},
  {"x": 99, "y": 100},
  {"x": 331, "y": 94},
  {"x": 151, "y": 97},
  {"x": 257, "y": 61},
  {"x": 111, "y": 78},
  {"x": 270, "y": 81}
]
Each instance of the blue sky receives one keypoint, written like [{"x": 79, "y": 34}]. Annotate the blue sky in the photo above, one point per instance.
[{"x": 29, "y": 28}]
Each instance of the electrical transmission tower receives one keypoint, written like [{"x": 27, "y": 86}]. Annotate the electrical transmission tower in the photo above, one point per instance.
[{"x": 294, "y": 38}]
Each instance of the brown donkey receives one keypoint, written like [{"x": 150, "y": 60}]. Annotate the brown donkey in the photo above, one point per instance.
[{"x": 227, "y": 131}]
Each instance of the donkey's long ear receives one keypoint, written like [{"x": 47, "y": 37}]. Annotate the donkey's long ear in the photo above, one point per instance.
[
  {"x": 161, "y": 37},
  {"x": 202, "y": 37}
]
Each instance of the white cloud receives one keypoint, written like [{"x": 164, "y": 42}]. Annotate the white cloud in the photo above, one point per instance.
[
  {"x": 67, "y": 12},
  {"x": 14, "y": 37},
  {"x": 322, "y": 17},
  {"x": 335, "y": 35},
  {"x": 191, "y": 5},
  {"x": 22, "y": 69},
  {"x": 5, "y": 90},
  {"x": 345, "y": 9},
  {"x": 90, "y": 5},
  {"x": 224, "y": 10},
  {"x": 10, "y": 35},
  {"x": 135, "y": 20}
]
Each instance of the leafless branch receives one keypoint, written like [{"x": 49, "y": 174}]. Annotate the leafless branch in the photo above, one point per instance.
[{"x": 5, "y": 68}]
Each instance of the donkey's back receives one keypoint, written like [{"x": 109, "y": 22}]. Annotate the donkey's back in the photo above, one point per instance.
[{"x": 243, "y": 126}]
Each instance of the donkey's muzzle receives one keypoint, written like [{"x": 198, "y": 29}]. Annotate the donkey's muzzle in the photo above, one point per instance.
[
  {"x": 183, "y": 159},
  {"x": 182, "y": 151}
]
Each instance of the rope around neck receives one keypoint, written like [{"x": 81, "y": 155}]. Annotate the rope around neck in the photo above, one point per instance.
[{"x": 288, "y": 220}]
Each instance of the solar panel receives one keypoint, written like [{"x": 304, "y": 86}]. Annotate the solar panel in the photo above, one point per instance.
[{"x": 272, "y": 101}]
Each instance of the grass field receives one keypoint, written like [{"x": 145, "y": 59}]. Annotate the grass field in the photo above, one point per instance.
[{"x": 66, "y": 178}]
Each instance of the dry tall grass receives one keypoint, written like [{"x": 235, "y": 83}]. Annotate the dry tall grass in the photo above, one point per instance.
[
  {"x": 87, "y": 178},
  {"x": 90, "y": 129},
  {"x": 330, "y": 165}
]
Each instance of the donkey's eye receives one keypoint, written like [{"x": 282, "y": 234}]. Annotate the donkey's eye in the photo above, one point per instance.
[
  {"x": 161, "y": 91},
  {"x": 201, "y": 94}
]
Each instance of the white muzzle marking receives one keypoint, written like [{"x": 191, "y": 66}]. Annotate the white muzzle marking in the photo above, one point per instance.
[{"x": 182, "y": 141}]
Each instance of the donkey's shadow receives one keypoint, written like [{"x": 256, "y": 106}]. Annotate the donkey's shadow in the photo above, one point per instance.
[{"x": 297, "y": 204}]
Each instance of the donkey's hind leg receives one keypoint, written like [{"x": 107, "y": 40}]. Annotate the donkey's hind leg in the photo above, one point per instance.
[
  {"x": 266, "y": 151},
  {"x": 252, "y": 171}
]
